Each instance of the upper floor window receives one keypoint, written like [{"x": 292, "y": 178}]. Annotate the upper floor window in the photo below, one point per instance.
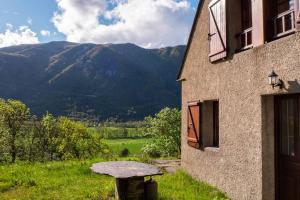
[
  {"x": 281, "y": 17},
  {"x": 236, "y": 25},
  {"x": 246, "y": 24},
  {"x": 284, "y": 20}
]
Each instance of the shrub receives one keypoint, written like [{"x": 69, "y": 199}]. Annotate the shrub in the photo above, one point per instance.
[
  {"x": 164, "y": 128},
  {"x": 13, "y": 116},
  {"x": 75, "y": 141},
  {"x": 152, "y": 149},
  {"x": 25, "y": 137},
  {"x": 124, "y": 152}
]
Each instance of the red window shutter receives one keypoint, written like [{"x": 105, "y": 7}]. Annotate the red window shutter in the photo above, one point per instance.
[
  {"x": 297, "y": 14},
  {"x": 193, "y": 132},
  {"x": 217, "y": 30}
]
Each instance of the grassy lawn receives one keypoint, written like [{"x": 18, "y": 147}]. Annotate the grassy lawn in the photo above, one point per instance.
[
  {"x": 133, "y": 145},
  {"x": 74, "y": 180}
]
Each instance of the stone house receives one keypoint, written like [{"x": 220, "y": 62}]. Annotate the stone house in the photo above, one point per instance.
[{"x": 241, "y": 98}]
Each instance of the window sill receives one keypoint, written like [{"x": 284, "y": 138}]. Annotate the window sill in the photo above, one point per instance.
[
  {"x": 244, "y": 49},
  {"x": 212, "y": 149},
  {"x": 282, "y": 35}
]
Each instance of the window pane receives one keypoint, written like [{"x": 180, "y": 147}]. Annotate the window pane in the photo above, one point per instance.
[
  {"x": 288, "y": 22},
  {"x": 287, "y": 127},
  {"x": 279, "y": 26},
  {"x": 243, "y": 40},
  {"x": 249, "y": 38},
  {"x": 246, "y": 14}
]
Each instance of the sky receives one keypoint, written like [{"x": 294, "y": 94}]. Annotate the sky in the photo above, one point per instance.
[{"x": 147, "y": 23}]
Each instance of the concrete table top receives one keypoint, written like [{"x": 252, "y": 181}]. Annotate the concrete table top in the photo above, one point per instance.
[{"x": 125, "y": 169}]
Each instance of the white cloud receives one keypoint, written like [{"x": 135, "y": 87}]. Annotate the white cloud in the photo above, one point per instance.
[
  {"x": 9, "y": 26},
  {"x": 29, "y": 21},
  {"x": 45, "y": 33},
  {"x": 148, "y": 23},
  {"x": 22, "y": 35}
]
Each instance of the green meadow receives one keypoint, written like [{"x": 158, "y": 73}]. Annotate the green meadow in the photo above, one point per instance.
[
  {"x": 134, "y": 146},
  {"x": 65, "y": 180},
  {"x": 50, "y": 158}
]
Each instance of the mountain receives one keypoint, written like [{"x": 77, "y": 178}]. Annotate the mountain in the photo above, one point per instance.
[{"x": 123, "y": 81}]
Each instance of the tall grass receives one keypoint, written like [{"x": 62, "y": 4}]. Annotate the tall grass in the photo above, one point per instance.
[
  {"x": 56, "y": 180},
  {"x": 74, "y": 180},
  {"x": 181, "y": 186}
]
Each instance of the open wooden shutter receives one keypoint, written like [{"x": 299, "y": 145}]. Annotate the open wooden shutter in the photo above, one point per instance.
[
  {"x": 297, "y": 14},
  {"x": 193, "y": 129},
  {"x": 217, "y": 30}
]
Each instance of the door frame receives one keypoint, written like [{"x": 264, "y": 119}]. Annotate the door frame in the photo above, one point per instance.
[{"x": 277, "y": 99}]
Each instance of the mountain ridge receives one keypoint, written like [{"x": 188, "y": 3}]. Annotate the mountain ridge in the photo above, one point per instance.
[{"x": 122, "y": 81}]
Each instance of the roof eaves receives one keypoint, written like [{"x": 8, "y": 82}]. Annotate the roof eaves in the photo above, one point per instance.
[{"x": 200, "y": 5}]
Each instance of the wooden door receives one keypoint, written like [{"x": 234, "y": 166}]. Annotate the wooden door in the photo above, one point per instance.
[{"x": 287, "y": 109}]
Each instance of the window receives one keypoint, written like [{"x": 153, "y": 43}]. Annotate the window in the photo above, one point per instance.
[
  {"x": 246, "y": 19},
  {"x": 238, "y": 25},
  {"x": 284, "y": 21},
  {"x": 203, "y": 124},
  {"x": 210, "y": 123},
  {"x": 282, "y": 17}
]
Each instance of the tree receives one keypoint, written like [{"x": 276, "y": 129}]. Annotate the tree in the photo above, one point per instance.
[
  {"x": 13, "y": 115},
  {"x": 34, "y": 139},
  {"x": 164, "y": 127},
  {"x": 50, "y": 138},
  {"x": 4, "y": 145},
  {"x": 26, "y": 137},
  {"x": 75, "y": 141}
]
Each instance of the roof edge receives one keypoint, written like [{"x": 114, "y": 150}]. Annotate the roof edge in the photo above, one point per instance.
[{"x": 200, "y": 5}]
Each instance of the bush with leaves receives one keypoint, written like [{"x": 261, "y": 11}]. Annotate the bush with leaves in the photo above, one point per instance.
[
  {"x": 13, "y": 116},
  {"x": 164, "y": 128},
  {"x": 25, "y": 137},
  {"x": 124, "y": 152},
  {"x": 75, "y": 141},
  {"x": 4, "y": 146}
]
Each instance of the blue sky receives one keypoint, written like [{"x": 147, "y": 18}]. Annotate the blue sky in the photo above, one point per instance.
[{"x": 147, "y": 23}]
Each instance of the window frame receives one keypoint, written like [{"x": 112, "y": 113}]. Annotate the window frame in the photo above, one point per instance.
[{"x": 216, "y": 124}]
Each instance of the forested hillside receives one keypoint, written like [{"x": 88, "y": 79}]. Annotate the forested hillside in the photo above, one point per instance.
[{"x": 121, "y": 81}]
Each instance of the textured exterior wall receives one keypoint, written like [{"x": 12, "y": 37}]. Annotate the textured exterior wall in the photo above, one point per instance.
[{"x": 243, "y": 166}]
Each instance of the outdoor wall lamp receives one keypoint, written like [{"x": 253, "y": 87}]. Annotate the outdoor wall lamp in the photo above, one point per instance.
[{"x": 274, "y": 81}]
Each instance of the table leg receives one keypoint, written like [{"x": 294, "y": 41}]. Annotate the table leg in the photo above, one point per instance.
[{"x": 130, "y": 188}]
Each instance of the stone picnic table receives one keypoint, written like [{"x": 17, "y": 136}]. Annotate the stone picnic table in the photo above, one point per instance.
[{"x": 129, "y": 177}]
